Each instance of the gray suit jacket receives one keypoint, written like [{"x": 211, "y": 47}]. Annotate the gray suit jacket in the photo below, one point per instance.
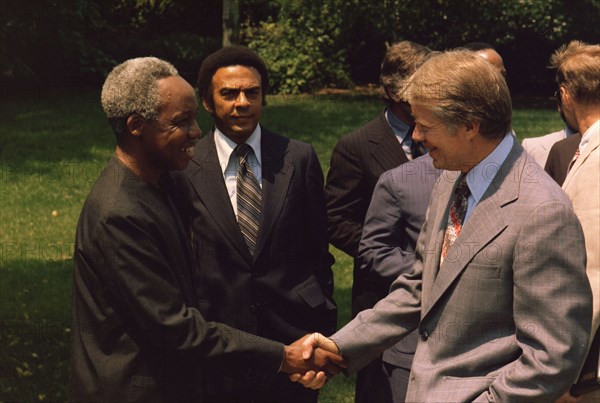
[
  {"x": 389, "y": 237},
  {"x": 539, "y": 147},
  {"x": 507, "y": 318}
]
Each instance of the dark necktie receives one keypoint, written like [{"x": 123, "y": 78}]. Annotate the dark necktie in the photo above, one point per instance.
[
  {"x": 456, "y": 215},
  {"x": 248, "y": 198},
  {"x": 417, "y": 149}
]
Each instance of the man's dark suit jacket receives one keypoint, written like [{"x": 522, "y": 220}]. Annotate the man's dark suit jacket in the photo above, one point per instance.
[
  {"x": 560, "y": 157},
  {"x": 286, "y": 289},
  {"x": 137, "y": 334},
  {"x": 357, "y": 161}
]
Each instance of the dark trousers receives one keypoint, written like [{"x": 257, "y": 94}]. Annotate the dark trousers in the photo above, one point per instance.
[
  {"x": 380, "y": 382},
  {"x": 279, "y": 390}
]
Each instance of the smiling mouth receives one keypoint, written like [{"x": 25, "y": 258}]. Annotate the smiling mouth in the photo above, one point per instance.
[{"x": 189, "y": 150}]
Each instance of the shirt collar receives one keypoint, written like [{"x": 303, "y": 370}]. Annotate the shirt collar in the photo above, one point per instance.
[
  {"x": 399, "y": 128},
  {"x": 225, "y": 146},
  {"x": 569, "y": 131},
  {"x": 482, "y": 174},
  {"x": 589, "y": 133}
]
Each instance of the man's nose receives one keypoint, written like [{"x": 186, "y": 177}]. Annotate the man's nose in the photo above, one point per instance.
[
  {"x": 195, "y": 131},
  {"x": 242, "y": 100},
  {"x": 417, "y": 135}
]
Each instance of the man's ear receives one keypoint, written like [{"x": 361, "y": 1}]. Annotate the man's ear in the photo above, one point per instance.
[
  {"x": 391, "y": 95},
  {"x": 207, "y": 106},
  {"x": 135, "y": 124},
  {"x": 472, "y": 128},
  {"x": 565, "y": 97}
]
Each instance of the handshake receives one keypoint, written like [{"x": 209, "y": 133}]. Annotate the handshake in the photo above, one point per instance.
[{"x": 312, "y": 360}]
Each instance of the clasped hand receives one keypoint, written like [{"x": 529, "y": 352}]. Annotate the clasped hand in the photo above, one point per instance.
[{"x": 312, "y": 360}]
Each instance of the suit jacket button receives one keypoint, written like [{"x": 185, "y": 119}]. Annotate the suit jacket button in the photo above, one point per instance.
[{"x": 424, "y": 335}]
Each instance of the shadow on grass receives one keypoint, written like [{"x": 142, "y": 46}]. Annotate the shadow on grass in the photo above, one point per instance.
[
  {"x": 35, "y": 320},
  {"x": 53, "y": 126}
]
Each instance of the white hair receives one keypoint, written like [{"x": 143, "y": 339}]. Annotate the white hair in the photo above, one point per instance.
[{"x": 130, "y": 88}]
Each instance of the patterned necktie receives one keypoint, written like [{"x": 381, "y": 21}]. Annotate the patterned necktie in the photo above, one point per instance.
[
  {"x": 456, "y": 216},
  {"x": 248, "y": 198}
]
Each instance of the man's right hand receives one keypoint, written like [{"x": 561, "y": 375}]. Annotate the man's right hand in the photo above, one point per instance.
[
  {"x": 324, "y": 356},
  {"x": 302, "y": 356}
]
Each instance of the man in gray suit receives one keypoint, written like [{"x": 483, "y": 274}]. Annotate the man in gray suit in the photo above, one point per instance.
[
  {"x": 357, "y": 161},
  {"x": 387, "y": 250},
  {"x": 503, "y": 310}
]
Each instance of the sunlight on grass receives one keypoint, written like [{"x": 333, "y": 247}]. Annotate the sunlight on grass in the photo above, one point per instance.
[{"x": 53, "y": 145}]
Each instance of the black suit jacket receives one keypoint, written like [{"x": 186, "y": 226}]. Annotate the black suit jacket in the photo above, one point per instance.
[
  {"x": 137, "y": 334},
  {"x": 286, "y": 289},
  {"x": 357, "y": 161},
  {"x": 560, "y": 157}
]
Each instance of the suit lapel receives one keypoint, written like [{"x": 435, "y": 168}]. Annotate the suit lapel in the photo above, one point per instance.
[
  {"x": 386, "y": 150},
  {"x": 276, "y": 176},
  {"x": 438, "y": 216},
  {"x": 485, "y": 223},
  {"x": 207, "y": 181},
  {"x": 591, "y": 146}
]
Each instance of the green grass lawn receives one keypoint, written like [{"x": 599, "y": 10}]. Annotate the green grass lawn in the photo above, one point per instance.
[{"x": 52, "y": 147}]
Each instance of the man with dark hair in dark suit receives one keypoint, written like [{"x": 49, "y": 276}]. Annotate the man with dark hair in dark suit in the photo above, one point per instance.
[
  {"x": 357, "y": 161},
  {"x": 254, "y": 204},
  {"x": 138, "y": 334}
]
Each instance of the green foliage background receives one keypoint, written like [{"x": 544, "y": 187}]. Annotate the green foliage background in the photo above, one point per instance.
[{"x": 308, "y": 44}]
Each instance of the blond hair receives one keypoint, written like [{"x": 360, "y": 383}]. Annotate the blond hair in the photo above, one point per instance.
[
  {"x": 461, "y": 88},
  {"x": 578, "y": 70},
  {"x": 401, "y": 60}
]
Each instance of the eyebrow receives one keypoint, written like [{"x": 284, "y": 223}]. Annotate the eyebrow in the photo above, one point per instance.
[{"x": 241, "y": 88}]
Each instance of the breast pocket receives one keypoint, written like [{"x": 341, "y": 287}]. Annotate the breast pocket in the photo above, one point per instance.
[{"x": 311, "y": 293}]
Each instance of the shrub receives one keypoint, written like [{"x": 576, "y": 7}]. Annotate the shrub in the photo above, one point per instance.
[{"x": 302, "y": 48}]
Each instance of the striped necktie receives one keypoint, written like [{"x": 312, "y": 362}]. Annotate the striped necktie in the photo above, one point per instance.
[
  {"x": 249, "y": 196},
  {"x": 456, "y": 215}
]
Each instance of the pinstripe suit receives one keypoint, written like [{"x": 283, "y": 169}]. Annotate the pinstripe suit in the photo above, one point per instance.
[
  {"x": 506, "y": 319},
  {"x": 285, "y": 289}
]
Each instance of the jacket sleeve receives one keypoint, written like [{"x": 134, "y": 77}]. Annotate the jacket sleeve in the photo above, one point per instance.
[
  {"x": 549, "y": 283},
  {"x": 148, "y": 298},
  {"x": 380, "y": 252}
]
